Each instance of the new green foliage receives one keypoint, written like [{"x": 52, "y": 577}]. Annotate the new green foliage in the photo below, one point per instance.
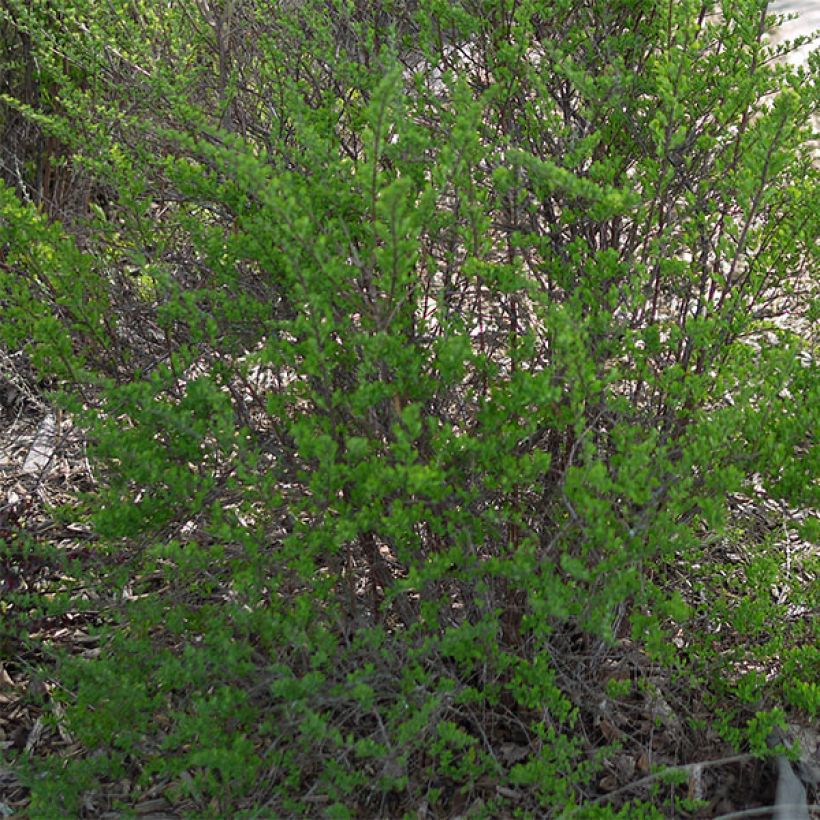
[{"x": 441, "y": 350}]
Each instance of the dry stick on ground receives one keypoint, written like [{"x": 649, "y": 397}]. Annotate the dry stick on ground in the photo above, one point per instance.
[{"x": 645, "y": 781}]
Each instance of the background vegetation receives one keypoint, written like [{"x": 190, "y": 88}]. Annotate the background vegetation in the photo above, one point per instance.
[{"x": 424, "y": 355}]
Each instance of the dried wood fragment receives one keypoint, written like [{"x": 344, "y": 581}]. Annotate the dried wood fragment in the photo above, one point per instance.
[{"x": 42, "y": 449}]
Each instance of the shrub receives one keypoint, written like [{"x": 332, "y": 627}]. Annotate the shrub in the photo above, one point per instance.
[{"x": 416, "y": 347}]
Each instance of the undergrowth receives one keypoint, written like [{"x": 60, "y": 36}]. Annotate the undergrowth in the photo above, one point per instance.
[{"x": 420, "y": 351}]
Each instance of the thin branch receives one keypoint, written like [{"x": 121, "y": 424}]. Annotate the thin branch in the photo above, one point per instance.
[{"x": 645, "y": 781}]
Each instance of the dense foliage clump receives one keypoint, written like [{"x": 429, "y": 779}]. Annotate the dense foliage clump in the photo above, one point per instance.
[{"x": 420, "y": 351}]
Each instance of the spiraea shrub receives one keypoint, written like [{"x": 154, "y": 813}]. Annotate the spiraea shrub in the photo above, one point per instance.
[{"x": 419, "y": 350}]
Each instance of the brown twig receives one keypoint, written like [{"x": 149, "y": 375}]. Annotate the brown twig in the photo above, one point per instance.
[{"x": 645, "y": 781}]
